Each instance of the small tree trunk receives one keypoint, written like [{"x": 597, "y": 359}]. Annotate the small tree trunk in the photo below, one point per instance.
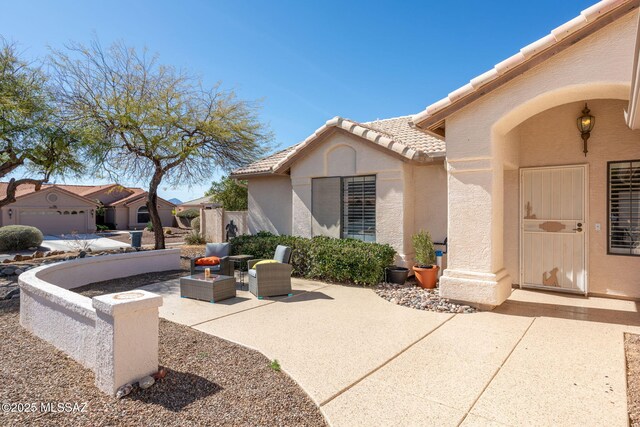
[
  {"x": 152, "y": 205},
  {"x": 12, "y": 188}
]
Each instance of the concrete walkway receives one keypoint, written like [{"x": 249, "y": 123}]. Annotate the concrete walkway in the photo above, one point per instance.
[
  {"x": 70, "y": 243},
  {"x": 539, "y": 359}
]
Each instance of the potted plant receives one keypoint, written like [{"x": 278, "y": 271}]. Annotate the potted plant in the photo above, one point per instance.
[
  {"x": 397, "y": 275},
  {"x": 426, "y": 271}
]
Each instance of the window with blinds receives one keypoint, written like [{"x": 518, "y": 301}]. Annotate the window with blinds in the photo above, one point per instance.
[
  {"x": 624, "y": 207},
  {"x": 359, "y": 208}
]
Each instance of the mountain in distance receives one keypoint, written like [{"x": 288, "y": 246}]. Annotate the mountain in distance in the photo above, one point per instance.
[{"x": 175, "y": 201}]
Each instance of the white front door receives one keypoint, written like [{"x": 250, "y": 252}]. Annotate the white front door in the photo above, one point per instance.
[{"x": 553, "y": 228}]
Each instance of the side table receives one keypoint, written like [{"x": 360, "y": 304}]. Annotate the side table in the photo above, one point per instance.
[{"x": 239, "y": 260}]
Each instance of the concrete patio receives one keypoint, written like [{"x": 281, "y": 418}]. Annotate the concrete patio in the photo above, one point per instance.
[{"x": 539, "y": 359}]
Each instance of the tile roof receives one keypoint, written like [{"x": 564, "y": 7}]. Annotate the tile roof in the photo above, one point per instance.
[
  {"x": 477, "y": 86},
  {"x": 199, "y": 201},
  {"x": 80, "y": 190},
  {"x": 395, "y": 134}
]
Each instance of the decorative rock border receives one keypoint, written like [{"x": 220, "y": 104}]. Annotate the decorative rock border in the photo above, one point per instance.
[{"x": 415, "y": 297}]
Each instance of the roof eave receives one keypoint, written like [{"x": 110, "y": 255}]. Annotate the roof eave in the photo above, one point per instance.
[
  {"x": 632, "y": 115},
  {"x": 589, "y": 21}
]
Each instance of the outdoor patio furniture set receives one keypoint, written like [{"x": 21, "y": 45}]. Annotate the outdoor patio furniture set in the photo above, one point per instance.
[{"x": 267, "y": 278}]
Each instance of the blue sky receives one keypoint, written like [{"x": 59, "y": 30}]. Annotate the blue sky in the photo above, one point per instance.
[{"x": 307, "y": 61}]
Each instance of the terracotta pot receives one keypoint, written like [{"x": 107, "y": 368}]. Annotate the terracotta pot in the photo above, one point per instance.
[{"x": 426, "y": 277}]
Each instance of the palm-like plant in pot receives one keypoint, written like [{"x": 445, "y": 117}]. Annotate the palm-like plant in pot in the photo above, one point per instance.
[{"x": 426, "y": 271}]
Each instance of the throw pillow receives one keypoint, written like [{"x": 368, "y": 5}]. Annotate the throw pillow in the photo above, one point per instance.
[
  {"x": 211, "y": 260},
  {"x": 267, "y": 261}
]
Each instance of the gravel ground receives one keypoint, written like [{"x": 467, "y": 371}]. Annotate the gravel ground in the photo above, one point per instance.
[
  {"x": 210, "y": 381},
  {"x": 410, "y": 295},
  {"x": 632, "y": 350}
]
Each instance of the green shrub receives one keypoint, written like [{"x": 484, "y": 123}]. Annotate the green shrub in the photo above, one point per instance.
[
  {"x": 323, "y": 258},
  {"x": 101, "y": 227},
  {"x": 19, "y": 237},
  {"x": 195, "y": 224},
  {"x": 423, "y": 245},
  {"x": 194, "y": 238},
  {"x": 149, "y": 226},
  {"x": 189, "y": 213}
]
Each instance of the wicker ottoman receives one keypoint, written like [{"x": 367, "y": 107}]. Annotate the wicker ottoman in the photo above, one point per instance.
[{"x": 214, "y": 289}]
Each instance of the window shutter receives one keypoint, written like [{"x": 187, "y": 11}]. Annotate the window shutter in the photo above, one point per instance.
[
  {"x": 359, "y": 208},
  {"x": 624, "y": 207}
]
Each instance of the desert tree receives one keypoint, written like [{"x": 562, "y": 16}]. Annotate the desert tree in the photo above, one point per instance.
[
  {"x": 158, "y": 124},
  {"x": 230, "y": 193},
  {"x": 34, "y": 139}
]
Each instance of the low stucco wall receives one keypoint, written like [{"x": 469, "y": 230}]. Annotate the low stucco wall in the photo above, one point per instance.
[
  {"x": 213, "y": 223},
  {"x": 96, "y": 332}
]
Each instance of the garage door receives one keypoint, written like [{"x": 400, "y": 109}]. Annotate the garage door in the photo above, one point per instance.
[{"x": 55, "y": 222}]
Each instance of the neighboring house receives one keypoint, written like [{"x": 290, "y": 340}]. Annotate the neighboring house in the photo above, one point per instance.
[
  {"x": 380, "y": 181},
  {"x": 204, "y": 202},
  {"x": 525, "y": 205},
  {"x": 61, "y": 209}
]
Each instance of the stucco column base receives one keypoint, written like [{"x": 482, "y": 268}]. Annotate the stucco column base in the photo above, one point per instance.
[
  {"x": 482, "y": 290},
  {"x": 126, "y": 338}
]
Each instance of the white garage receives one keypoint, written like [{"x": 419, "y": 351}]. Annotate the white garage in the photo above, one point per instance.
[{"x": 55, "y": 221}]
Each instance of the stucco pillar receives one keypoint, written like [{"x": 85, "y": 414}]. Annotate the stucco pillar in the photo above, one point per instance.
[
  {"x": 475, "y": 272},
  {"x": 126, "y": 338}
]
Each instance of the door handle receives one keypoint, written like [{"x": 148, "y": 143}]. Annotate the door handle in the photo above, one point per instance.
[{"x": 579, "y": 227}]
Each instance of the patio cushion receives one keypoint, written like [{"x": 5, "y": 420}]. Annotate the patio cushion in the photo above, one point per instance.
[
  {"x": 213, "y": 268},
  {"x": 211, "y": 260},
  {"x": 217, "y": 249},
  {"x": 252, "y": 272},
  {"x": 283, "y": 254},
  {"x": 267, "y": 261}
]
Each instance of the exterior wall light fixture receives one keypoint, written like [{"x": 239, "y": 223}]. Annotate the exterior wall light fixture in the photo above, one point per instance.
[{"x": 585, "y": 126}]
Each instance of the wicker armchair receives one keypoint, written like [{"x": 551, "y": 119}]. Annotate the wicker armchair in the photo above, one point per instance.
[
  {"x": 221, "y": 250},
  {"x": 268, "y": 280}
]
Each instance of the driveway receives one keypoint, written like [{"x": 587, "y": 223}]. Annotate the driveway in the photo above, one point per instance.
[
  {"x": 538, "y": 359},
  {"x": 81, "y": 241}
]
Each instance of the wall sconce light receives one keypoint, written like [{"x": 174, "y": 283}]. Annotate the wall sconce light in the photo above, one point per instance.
[
  {"x": 10, "y": 213},
  {"x": 91, "y": 213},
  {"x": 585, "y": 126}
]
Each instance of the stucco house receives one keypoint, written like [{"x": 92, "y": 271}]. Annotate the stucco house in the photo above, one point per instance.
[
  {"x": 535, "y": 189},
  {"x": 61, "y": 209},
  {"x": 377, "y": 181},
  {"x": 527, "y": 205},
  {"x": 203, "y": 202}
]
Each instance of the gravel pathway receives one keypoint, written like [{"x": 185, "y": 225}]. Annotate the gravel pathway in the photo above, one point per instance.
[
  {"x": 210, "y": 381},
  {"x": 412, "y": 296},
  {"x": 632, "y": 350}
]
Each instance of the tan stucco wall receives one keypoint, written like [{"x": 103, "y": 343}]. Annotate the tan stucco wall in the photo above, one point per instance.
[
  {"x": 551, "y": 138},
  {"x": 326, "y": 160},
  {"x": 122, "y": 218},
  {"x": 269, "y": 204},
  {"x": 132, "y": 220},
  {"x": 597, "y": 67},
  {"x": 425, "y": 204}
]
